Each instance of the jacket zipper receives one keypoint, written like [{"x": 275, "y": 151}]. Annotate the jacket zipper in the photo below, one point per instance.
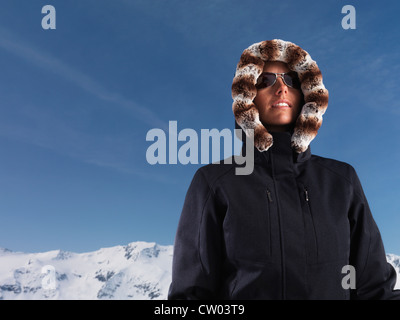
[
  {"x": 307, "y": 198},
  {"x": 269, "y": 196},
  {"x": 306, "y": 194},
  {"x": 282, "y": 244}
]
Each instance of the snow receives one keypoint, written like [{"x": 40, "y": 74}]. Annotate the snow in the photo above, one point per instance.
[
  {"x": 138, "y": 271},
  {"x": 395, "y": 262}
]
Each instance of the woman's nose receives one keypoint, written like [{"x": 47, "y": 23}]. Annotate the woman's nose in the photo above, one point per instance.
[{"x": 281, "y": 87}]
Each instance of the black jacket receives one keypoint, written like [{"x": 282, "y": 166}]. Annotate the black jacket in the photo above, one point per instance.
[{"x": 283, "y": 232}]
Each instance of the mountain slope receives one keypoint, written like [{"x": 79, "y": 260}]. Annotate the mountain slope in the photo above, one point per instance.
[
  {"x": 395, "y": 262},
  {"x": 139, "y": 270}
]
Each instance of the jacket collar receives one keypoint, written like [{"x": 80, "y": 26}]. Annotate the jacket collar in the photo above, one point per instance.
[{"x": 282, "y": 152}]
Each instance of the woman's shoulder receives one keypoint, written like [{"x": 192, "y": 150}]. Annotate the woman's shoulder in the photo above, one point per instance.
[{"x": 335, "y": 166}]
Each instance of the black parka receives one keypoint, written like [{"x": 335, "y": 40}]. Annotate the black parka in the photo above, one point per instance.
[{"x": 289, "y": 230}]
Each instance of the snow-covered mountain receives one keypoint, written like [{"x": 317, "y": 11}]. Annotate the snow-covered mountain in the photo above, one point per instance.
[
  {"x": 395, "y": 262},
  {"x": 139, "y": 270}
]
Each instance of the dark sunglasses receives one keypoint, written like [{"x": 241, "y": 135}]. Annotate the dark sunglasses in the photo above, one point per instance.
[{"x": 268, "y": 79}]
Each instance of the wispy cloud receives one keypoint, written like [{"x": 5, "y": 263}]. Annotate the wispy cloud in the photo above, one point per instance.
[
  {"x": 52, "y": 132},
  {"x": 44, "y": 60}
]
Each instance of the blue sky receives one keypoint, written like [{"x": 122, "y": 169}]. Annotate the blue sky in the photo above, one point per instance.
[{"x": 78, "y": 101}]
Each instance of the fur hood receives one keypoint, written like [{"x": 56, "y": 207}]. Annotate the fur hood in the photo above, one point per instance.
[{"x": 249, "y": 68}]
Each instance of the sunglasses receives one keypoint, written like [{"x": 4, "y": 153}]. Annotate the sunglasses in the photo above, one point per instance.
[{"x": 268, "y": 79}]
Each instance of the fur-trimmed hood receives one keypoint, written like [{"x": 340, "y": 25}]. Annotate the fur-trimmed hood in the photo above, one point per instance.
[{"x": 249, "y": 68}]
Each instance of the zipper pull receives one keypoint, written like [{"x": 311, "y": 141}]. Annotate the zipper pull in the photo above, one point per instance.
[
  {"x": 269, "y": 195},
  {"x": 306, "y": 194}
]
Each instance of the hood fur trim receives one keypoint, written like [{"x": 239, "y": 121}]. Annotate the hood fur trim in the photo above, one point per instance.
[{"x": 316, "y": 96}]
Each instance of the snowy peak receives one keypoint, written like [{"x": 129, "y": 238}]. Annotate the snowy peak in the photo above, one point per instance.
[
  {"x": 139, "y": 270},
  {"x": 142, "y": 250},
  {"x": 4, "y": 251}
]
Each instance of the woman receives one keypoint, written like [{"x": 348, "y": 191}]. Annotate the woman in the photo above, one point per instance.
[{"x": 298, "y": 226}]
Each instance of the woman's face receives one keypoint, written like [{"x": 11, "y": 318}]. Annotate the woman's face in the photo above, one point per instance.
[{"x": 278, "y": 105}]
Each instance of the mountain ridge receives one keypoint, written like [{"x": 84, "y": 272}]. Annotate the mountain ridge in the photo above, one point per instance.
[{"x": 139, "y": 270}]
